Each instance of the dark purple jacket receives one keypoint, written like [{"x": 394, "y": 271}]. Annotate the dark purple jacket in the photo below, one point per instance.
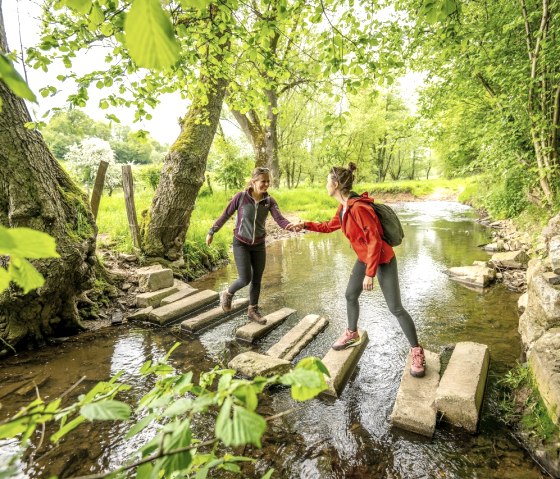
[{"x": 251, "y": 217}]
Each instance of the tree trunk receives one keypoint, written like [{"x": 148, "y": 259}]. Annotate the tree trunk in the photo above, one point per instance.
[
  {"x": 182, "y": 176},
  {"x": 35, "y": 192}
]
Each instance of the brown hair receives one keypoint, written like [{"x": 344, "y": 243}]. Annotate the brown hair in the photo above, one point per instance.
[{"x": 344, "y": 176}]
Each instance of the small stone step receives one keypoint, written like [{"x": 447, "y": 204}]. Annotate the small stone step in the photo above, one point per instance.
[
  {"x": 117, "y": 317},
  {"x": 183, "y": 293},
  {"x": 212, "y": 316},
  {"x": 171, "y": 312},
  {"x": 154, "y": 298},
  {"x": 253, "y": 330},
  {"x": 152, "y": 278},
  {"x": 141, "y": 314},
  {"x": 415, "y": 408},
  {"x": 461, "y": 389},
  {"x": 251, "y": 364},
  {"x": 341, "y": 365},
  {"x": 298, "y": 337}
]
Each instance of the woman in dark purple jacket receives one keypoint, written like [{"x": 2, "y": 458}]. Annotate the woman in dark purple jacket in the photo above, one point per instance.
[{"x": 252, "y": 206}]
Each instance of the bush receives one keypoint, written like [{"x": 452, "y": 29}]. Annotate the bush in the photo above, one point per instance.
[
  {"x": 509, "y": 199},
  {"x": 151, "y": 175}
]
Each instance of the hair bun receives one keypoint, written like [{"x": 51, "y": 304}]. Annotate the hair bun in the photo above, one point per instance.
[{"x": 352, "y": 166}]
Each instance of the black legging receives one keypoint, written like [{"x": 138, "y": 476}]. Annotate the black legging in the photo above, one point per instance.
[
  {"x": 388, "y": 278},
  {"x": 250, "y": 261}
]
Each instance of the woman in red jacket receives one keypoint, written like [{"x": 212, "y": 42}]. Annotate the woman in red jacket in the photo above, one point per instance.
[{"x": 359, "y": 223}]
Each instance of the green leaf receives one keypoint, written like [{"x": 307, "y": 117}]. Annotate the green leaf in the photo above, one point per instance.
[
  {"x": 140, "y": 425},
  {"x": 199, "y": 4},
  {"x": 180, "y": 438},
  {"x": 14, "y": 81},
  {"x": 13, "y": 428},
  {"x": 307, "y": 379},
  {"x": 144, "y": 471},
  {"x": 149, "y": 35},
  {"x": 24, "y": 274},
  {"x": 179, "y": 407},
  {"x": 67, "y": 428},
  {"x": 268, "y": 474},
  {"x": 245, "y": 427},
  {"x": 106, "y": 410},
  {"x": 79, "y": 6},
  {"x": 27, "y": 243},
  {"x": 247, "y": 394}
]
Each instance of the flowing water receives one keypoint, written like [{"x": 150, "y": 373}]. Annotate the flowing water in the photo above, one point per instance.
[{"x": 349, "y": 437}]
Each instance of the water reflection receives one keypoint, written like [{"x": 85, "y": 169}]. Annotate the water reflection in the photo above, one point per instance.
[{"x": 343, "y": 438}]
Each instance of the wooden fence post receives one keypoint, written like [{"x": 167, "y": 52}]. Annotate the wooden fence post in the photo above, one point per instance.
[
  {"x": 128, "y": 188},
  {"x": 98, "y": 187}
]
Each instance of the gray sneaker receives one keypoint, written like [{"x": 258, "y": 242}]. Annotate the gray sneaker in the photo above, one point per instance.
[{"x": 225, "y": 300}]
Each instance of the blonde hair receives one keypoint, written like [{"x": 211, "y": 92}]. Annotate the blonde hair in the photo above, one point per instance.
[{"x": 344, "y": 176}]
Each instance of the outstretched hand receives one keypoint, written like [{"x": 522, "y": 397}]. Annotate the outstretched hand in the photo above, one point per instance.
[
  {"x": 209, "y": 239},
  {"x": 297, "y": 227}
]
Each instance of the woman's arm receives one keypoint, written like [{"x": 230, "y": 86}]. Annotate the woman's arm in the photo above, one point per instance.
[
  {"x": 226, "y": 215},
  {"x": 278, "y": 217},
  {"x": 326, "y": 226}
]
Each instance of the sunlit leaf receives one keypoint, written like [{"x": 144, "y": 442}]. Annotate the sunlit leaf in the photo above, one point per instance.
[
  {"x": 244, "y": 427},
  {"x": 13, "y": 79},
  {"x": 149, "y": 35},
  {"x": 24, "y": 274},
  {"x": 27, "y": 243},
  {"x": 106, "y": 410}
]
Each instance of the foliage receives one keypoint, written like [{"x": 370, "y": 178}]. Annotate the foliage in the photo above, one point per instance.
[
  {"x": 522, "y": 405},
  {"x": 19, "y": 244},
  {"x": 231, "y": 169},
  {"x": 164, "y": 418},
  {"x": 83, "y": 160},
  {"x": 13, "y": 80},
  {"x": 150, "y": 174}
]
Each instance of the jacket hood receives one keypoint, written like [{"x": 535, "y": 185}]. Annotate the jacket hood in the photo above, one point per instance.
[{"x": 356, "y": 198}]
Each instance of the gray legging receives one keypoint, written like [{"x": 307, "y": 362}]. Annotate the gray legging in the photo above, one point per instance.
[
  {"x": 388, "y": 277},
  {"x": 250, "y": 261}
]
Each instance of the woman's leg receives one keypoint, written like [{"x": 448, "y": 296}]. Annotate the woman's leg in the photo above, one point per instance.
[
  {"x": 242, "y": 257},
  {"x": 353, "y": 291},
  {"x": 258, "y": 262},
  {"x": 388, "y": 277}
]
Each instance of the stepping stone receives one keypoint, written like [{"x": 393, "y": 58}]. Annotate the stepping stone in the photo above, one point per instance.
[
  {"x": 141, "y": 315},
  {"x": 251, "y": 364},
  {"x": 117, "y": 317},
  {"x": 461, "y": 389},
  {"x": 185, "y": 292},
  {"x": 212, "y": 316},
  {"x": 511, "y": 260},
  {"x": 415, "y": 408},
  {"x": 476, "y": 275},
  {"x": 152, "y": 278},
  {"x": 298, "y": 337},
  {"x": 154, "y": 298},
  {"x": 253, "y": 330},
  {"x": 341, "y": 365},
  {"x": 552, "y": 277},
  {"x": 171, "y": 312}
]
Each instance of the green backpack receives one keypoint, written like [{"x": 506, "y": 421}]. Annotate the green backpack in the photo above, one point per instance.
[{"x": 393, "y": 233}]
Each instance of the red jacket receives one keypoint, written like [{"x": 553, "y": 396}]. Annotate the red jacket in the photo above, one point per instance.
[{"x": 362, "y": 227}]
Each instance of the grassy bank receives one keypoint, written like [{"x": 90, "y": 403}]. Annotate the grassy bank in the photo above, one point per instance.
[{"x": 310, "y": 203}]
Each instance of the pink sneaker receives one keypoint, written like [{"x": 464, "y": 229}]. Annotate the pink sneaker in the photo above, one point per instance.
[
  {"x": 418, "y": 364},
  {"x": 348, "y": 340}
]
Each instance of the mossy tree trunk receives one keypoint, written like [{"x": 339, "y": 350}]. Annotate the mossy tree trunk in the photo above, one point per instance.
[
  {"x": 36, "y": 193},
  {"x": 165, "y": 228}
]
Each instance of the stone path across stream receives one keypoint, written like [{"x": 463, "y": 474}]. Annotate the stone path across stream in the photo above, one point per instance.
[{"x": 457, "y": 396}]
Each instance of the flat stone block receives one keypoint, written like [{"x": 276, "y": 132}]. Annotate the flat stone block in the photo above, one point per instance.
[
  {"x": 511, "y": 259},
  {"x": 183, "y": 293},
  {"x": 154, "y": 298},
  {"x": 476, "y": 275},
  {"x": 291, "y": 344},
  {"x": 141, "y": 315},
  {"x": 552, "y": 277},
  {"x": 212, "y": 316},
  {"x": 152, "y": 278},
  {"x": 253, "y": 331},
  {"x": 341, "y": 365},
  {"x": 253, "y": 364},
  {"x": 544, "y": 359},
  {"x": 461, "y": 389},
  {"x": 171, "y": 312},
  {"x": 415, "y": 408}
]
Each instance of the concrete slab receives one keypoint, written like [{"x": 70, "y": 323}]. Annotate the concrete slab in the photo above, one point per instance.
[
  {"x": 141, "y": 314},
  {"x": 212, "y": 316},
  {"x": 152, "y": 278},
  {"x": 291, "y": 344},
  {"x": 171, "y": 312},
  {"x": 183, "y": 293},
  {"x": 415, "y": 408},
  {"x": 253, "y": 364},
  {"x": 154, "y": 298},
  {"x": 461, "y": 389},
  {"x": 341, "y": 365},
  {"x": 253, "y": 331}
]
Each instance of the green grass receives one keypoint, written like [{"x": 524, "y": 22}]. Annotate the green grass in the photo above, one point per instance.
[{"x": 309, "y": 203}]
